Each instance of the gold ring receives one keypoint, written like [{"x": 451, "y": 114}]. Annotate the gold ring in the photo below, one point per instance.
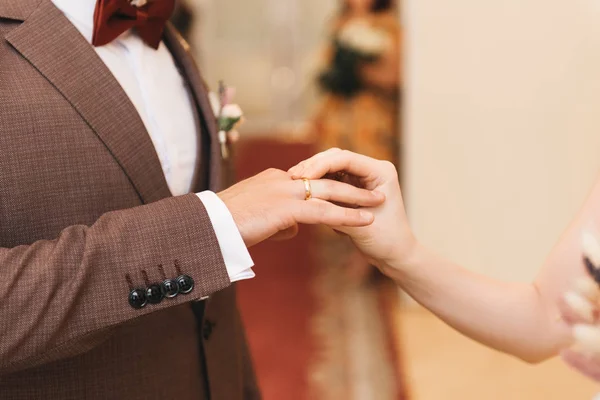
[{"x": 307, "y": 189}]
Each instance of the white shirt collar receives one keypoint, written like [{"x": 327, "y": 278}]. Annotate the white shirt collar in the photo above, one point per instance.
[{"x": 80, "y": 13}]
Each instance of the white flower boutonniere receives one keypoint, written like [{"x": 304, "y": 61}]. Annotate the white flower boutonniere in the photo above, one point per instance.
[
  {"x": 229, "y": 117},
  {"x": 231, "y": 114}
]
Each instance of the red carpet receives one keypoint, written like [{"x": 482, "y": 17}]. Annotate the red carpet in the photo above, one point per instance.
[{"x": 276, "y": 305}]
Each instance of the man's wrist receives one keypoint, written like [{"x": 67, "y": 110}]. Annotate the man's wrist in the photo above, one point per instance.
[
  {"x": 235, "y": 254},
  {"x": 236, "y": 215}
]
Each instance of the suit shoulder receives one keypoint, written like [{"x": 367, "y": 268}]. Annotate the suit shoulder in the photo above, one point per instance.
[{"x": 17, "y": 9}]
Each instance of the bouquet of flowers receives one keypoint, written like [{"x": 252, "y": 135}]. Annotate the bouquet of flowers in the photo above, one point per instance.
[{"x": 355, "y": 44}]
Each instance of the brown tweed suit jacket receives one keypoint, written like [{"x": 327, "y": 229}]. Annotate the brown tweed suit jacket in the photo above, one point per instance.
[{"x": 85, "y": 217}]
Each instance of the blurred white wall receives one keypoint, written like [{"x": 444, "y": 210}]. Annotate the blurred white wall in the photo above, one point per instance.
[
  {"x": 268, "y": 50},
  {"x": 503, "y": 125}
]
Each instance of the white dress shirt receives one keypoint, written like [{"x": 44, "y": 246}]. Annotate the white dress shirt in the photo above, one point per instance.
[{"x": 154, "y": 85}]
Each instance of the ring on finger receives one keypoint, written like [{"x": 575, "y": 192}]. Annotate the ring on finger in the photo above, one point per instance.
[{"x": 307, "y": 189}]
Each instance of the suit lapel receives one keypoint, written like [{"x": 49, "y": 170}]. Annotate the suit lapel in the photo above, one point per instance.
[
  {"x": 181, "y": 52},
  {"x": 58, "y": 51}
]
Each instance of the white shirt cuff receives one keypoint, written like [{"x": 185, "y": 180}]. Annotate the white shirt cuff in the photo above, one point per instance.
[{"x": 235, "y": 253}]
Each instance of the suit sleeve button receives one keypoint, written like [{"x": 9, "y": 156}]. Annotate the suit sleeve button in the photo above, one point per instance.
[
  {"x": 154, "y": 294},
  {"x": 137, "y": 298},
  {"x": 186, "y": 284},
  {"x": 169, "y": 288}
]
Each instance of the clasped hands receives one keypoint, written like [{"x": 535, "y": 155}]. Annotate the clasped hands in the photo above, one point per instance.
[{"x": 366, "y": 204}]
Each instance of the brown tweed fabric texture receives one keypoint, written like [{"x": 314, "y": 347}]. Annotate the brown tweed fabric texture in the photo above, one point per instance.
[{"x": 85, "y": 214}]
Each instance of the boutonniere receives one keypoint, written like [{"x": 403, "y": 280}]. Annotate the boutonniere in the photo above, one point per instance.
[{"x": 229, "y": 116}]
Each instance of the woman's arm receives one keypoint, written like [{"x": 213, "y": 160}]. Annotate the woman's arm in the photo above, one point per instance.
[
  {"x": 516, "y": 318},
  {"x": 520, "y": 319}
]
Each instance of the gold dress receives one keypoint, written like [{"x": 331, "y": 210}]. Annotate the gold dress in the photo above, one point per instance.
[{"x": 368, "y": 122}]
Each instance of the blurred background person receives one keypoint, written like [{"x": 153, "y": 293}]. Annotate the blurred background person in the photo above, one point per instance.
[
  {"x": 359, "y": 110},
  {"x": 361, "y": 81}
]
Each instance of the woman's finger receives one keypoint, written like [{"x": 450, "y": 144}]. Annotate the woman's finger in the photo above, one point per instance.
[
  {"x": 336, "y": 161},
  {"x": 302, "y": 164},
  {"x": 339, "y": 192}
]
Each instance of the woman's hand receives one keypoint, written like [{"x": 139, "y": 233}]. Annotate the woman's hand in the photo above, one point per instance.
[
  {"x": 389, "y": 240},
  {"x": 516, "y": 318},
  {"x": 271, "y": 205}
]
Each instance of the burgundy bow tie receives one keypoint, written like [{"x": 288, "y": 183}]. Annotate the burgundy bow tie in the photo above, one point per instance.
[{"x": 113, "y": 17}]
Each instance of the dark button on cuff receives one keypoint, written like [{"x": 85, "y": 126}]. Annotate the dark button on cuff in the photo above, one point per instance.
[
  {"x": 154, "y": 294},
  {"x": 137, "y": 298},
  {"x": 169, "y": 288},
  {"x": 186, "y": 284}
]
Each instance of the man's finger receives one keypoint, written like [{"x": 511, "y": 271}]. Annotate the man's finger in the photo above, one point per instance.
[
  {"x": 317, "y": 211},
  {"x": 287, "y": 234},
  {"x": 340, "y": 192}
]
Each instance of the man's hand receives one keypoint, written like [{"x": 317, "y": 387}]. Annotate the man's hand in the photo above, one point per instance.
[
  {"x": 272, "y": 204},
  {"x": 389, "y": 237}
]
